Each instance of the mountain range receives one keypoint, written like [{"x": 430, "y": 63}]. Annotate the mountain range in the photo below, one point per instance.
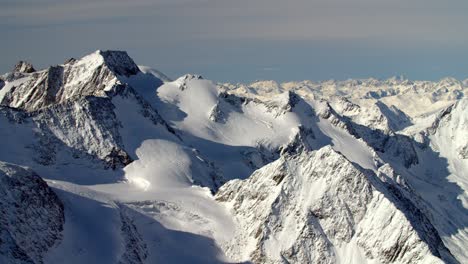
[{"x": 106, "y": 161}]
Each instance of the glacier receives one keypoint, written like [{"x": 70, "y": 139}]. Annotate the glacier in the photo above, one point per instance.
[{"x": 106, "y": 161}]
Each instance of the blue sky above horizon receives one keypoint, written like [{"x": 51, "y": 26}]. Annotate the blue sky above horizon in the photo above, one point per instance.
[{"x": 246, "y": 40}]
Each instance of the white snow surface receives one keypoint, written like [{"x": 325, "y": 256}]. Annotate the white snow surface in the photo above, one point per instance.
[{"x": 188, "y": 171}]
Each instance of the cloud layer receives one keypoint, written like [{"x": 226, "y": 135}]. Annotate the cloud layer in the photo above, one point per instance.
[{"x": 175, "y": 27}]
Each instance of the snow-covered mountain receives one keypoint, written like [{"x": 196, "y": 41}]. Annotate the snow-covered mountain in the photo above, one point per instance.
[{"x": 125, "y": 165}]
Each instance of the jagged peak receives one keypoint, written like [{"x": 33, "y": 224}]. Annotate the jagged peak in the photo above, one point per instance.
[
  {"x": 23, "y": 67},
  {"x": 94, "y": 74},
  {"x": 119, "y": 62},
  {"x": 276, "y": 203}
]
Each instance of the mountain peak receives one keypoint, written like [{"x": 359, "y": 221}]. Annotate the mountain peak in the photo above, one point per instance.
[
  {"x": 94, "y": 74},
  {"x": 23, "y": 67},
  {"x": 320, "y": 200},
  {"x": 119, "y": 62},
  {"x": 183, "y": 80}
]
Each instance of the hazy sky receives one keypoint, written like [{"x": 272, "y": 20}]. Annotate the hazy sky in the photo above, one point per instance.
[{"x": 245, "y": 40}]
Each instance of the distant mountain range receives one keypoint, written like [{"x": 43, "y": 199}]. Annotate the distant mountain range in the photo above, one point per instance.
[{"x": 105, "y": 161}]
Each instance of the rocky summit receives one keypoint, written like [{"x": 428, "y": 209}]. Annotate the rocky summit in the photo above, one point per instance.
[{"x": 106, "y": 161}]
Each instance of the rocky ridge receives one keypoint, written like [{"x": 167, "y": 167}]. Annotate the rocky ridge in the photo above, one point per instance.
[
  {"x": 31, "y": 218},
  {"x": 317, "y": 172},
  {"x": 321, "y": 200}
]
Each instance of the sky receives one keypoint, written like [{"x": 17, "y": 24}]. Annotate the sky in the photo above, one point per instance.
[{"x": 247, "y": 40}]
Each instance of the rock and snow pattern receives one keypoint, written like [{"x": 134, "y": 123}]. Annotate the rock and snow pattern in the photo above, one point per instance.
[
  {"x": 323, "y": 201},
  {"x": 106, "y": 161},
  {"x": 31, "y": 218}
]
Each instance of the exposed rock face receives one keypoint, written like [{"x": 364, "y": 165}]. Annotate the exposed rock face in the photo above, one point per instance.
[
  {"x": 217, "y": 114},
  {"x": 378, "y": 116},
  {"x": 135, "y": 251},
  {"x": 119, "y": 62},
  {"x": 73, "y": 109},
  {"x": 87, "y": 125},
  {"x": 91, "y": 75},
  {"x": 343, "y": 171},
  {"x": 389, "y": 144},
  {"x": 31, "y": 216},
  {"x": 23, "y": 67},
  {"x": 308, "y": 208},
  {"x": 300, "y": 142}
]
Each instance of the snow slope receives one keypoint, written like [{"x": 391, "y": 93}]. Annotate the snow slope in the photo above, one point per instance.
[
  {"x": 188, "y": 171},
  {"x": 322, "y": 201}
]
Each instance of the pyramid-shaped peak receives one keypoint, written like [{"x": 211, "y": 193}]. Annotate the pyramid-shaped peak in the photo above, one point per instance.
[
  {"x": 119, "y": 62},
  {"x": 94, "y": 74}
]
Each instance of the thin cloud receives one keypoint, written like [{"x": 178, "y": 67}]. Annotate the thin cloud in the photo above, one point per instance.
[
  {"x": 415, "y": 21},
  {"x": 321, "y": 37}
]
